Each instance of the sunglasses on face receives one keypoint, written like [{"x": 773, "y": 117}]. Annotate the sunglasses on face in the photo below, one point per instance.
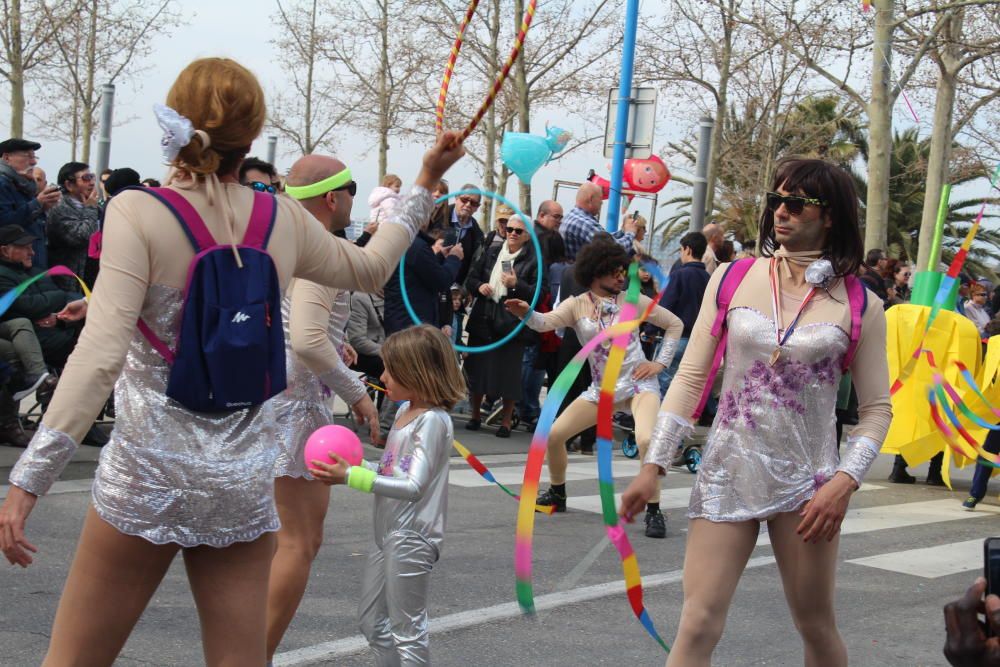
[
  {"x": 262, "y": 187},
  {"x": 468, "y": 201},
  {"x": 86, "y": 178},
  {"x": 352, "y": 188},
  {"x": 794, "y": 204},
  {"x": 516, "y": 231}
]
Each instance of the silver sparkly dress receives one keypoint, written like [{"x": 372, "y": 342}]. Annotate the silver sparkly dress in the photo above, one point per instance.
[
  {"x": 773, "y": 442},
  {"x": 411, "y": 501},
  {"x": 302, "y": 407},
  {"x": 204, "y": 479}
]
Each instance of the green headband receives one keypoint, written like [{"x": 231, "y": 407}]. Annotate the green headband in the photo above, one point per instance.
[{"x": 320, "y": 187}]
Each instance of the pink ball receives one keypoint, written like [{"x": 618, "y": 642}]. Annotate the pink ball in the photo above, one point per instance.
[{"x": 340, "y": 440}]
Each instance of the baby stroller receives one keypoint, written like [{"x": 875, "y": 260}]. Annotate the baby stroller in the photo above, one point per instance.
[{"x": 689, "y": 455}]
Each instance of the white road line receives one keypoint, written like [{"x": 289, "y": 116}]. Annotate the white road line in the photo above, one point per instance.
[
  {"x": 930, "y": 562},
  {"x": 71, "y": 486},
  {"x": 474, "y": 617},
  {"x": 903, "y": 515}
]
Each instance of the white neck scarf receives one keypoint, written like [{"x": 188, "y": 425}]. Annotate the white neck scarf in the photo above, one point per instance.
[{"x": 499, "y": 289}]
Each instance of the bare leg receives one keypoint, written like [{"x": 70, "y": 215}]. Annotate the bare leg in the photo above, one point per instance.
[
  {"x": 230, "y": 591},
  {"x": 713, "y": 563},
  {"x": 302, "y": 506},
  {"x": 476, "y": 405},
  {"x": 112, "y": 578},
  {"x": 645, "y": 407},
  {"x": 578, "y": 416},
  {"x": 808, "y": 572},
  {"x": 508, "y": 413}
]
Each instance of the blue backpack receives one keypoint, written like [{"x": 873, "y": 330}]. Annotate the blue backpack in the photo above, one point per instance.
[{"x": 231, "y": 347}]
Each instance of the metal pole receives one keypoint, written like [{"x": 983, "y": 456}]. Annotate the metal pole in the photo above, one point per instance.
[
  {"x": 621, "y": 122},
  {"x": 104, "y": 140},
  {"x": 272, "y": 148},
  {"x": 701, "y": 174}
]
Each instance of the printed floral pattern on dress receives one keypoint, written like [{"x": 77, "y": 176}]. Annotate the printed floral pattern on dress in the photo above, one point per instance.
[
  {"x": 385, "y": 465},
  {"x": 779, "y": 386}
]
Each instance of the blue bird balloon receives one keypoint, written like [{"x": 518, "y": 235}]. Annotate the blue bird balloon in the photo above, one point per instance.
[{"x": 524, "y": 153}]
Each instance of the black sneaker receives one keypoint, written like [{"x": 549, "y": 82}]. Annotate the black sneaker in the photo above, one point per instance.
[
  {"x": 503, "y": 432},
  {"x": 550, "y": 497},
  {"x": 473, "y": 425},
  {"x": 656, "y": 524},
  {"x": 31, "y": 383}
]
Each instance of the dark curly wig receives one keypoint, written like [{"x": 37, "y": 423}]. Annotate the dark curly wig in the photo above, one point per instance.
[{"x": 601, "y": 257}]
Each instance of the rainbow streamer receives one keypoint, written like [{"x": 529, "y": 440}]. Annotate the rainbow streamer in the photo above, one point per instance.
[
  {"x": 533, "y": 471},
  {"x": 485, "y": 473},
  {"x": 947, "y": 283},
  {"x": 449, "y": 70},
  {"x": 8, "y": 298}
]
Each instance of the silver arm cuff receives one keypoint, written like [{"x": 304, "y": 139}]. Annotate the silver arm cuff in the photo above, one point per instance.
[
  {"x": 43, "y": 461},
  {"x": 666, "y": 354},
  {"x": 858, "y": 455},
  {"x": 668, "y": 434},
  {"x": 415, "y": 211},
  {"x": 534, "y": 320}
]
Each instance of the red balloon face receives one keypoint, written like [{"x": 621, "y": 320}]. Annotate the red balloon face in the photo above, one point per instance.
[{"x": 649, "y": 175}]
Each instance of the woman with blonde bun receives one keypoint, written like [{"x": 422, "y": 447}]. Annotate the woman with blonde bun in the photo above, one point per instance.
[{"x": 173, "y": 480}]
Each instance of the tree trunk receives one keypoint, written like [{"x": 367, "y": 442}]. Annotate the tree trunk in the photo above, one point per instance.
[
  {"x": 523, "y": 110},
  {"x": 715, "y": 145},
  {"x": 16, "y": 78},
  {"x": 88, "y": 103},
  {"x": 309, "y": 146},
  {"x": 383, "y": 101},
  {"x": 941, "y": 136},
  {"x": 879, "y": 129},
  {"x": 489, "y": 176}
]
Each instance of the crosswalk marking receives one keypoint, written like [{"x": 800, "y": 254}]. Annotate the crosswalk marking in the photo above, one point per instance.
[{"x": 930, "y": 562}]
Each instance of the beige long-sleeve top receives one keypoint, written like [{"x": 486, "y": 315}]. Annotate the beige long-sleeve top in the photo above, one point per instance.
[
  {"x": 869, "y": 370},
  {"x": 144, "y": 245}
]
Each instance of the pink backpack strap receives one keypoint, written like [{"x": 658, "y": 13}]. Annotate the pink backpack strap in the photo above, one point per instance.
[
  {"x": 189, "y": 219},
  {"x": 731, "y": 279},
  {"x": 265, "y": 208},
  {"x": 857, "y": 299}
]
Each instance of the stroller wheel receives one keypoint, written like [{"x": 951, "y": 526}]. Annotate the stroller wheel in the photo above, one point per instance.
[
  {"x": 629, "y": 446},
  {"x": 692, "y": 459}
]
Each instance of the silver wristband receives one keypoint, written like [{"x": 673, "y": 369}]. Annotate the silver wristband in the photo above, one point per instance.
[
  {"x": 858, "y": 455},
  {"x": 667, "y": 439}
]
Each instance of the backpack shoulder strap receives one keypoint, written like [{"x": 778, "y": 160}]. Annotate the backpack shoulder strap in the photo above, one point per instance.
[
  {"x": 189, "y": 219},
  {"x": 265, "y": 209},
  {"x": 857, "y": 299}
]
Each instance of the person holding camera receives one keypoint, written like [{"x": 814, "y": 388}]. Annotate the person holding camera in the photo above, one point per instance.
[
  {"x": 72, "y": 222},
  {"x": 22, "y": 203}
]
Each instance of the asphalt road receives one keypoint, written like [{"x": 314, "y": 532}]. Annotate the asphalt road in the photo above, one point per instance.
[{"x": 906, "y": 551}]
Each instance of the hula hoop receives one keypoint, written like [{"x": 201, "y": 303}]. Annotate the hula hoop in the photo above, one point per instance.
[
  {"x": 538, "y": 280},
  {"x": 449, "y": 70}
]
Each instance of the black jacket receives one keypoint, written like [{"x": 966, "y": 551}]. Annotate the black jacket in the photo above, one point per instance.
[
  {"x": 19, "y": 206},
  {"x": 487, "y": 322},
  {"x": 41, "y": 299},
  {"x": 685, "y": 292},
  {"x": 427, "y": 275},
  {"x": 472, "y": 241}
]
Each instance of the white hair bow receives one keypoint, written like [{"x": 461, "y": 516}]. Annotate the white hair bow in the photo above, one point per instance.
[{"x": 177, "y": 131}]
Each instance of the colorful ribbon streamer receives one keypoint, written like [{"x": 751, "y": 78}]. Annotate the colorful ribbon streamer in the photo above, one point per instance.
[
  {"x": 9, "y": 297},
  {"x": 529, "y": 15},
  {"x": 533, "y": 470},
  {"x": 947, "y": 283}
]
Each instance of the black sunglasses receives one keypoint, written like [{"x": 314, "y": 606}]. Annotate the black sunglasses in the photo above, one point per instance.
[
  {"x": 352, "y": 188},
  {"x": 794, "y": 204},
  {"x": 262, "y": 187},
  {"x": 516, "y": 231}
]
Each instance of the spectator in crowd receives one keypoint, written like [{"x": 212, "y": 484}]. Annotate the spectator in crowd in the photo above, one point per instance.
[
  {"x": 547, "y": 224},
  {"x": 728, "y": 252},
  {"x": 981, "y": 477},
  {"x": 684, "y": 295},
  {"x": 504, "y": 271},
  {"x": 975, "y": 307},
  {"x": 649, "y": 333},
  {"x": 468, "y": 234},
  {"x": 259, "y": 175},
  {"x": 23, "y": 372},
  {"x": 715, "y": 238},
  {"x": 41, "y": 178},
  {"x": 383, "y": 200},
  {"x": 21, "y": 203},
  {"x": 72, "y": 222},
  {"x": 964, "y": 291},
  {"x": 150, "y": 183},
  {"x": 439, "y": 218},
  {"x": 102, "y": 192},
  {"x": 900, "y": 285},
  {"x": 56, "y": 314},
  {"x": 871, "y": 272},
  {"x": 431, "y": 269},
  {"x": 366, "y": 333},
  {"x": 393, "y": 182},
  {"x": 496, "y": 236},
  {"x": 581, "y": 223},
  {"x": 118, "y": 181},
  {"x": 459, "y": 308},
  {"x": 970, "y": 642}
]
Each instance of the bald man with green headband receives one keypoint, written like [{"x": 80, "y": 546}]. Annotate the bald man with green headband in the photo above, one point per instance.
[{"x": 314, "y": 317}]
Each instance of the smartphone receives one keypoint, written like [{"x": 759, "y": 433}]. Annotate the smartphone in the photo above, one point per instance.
[
  {"x": 506, "y": 266},
  {"x": 450, "y": 237},
  {"x": 991, "y": 568}
]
